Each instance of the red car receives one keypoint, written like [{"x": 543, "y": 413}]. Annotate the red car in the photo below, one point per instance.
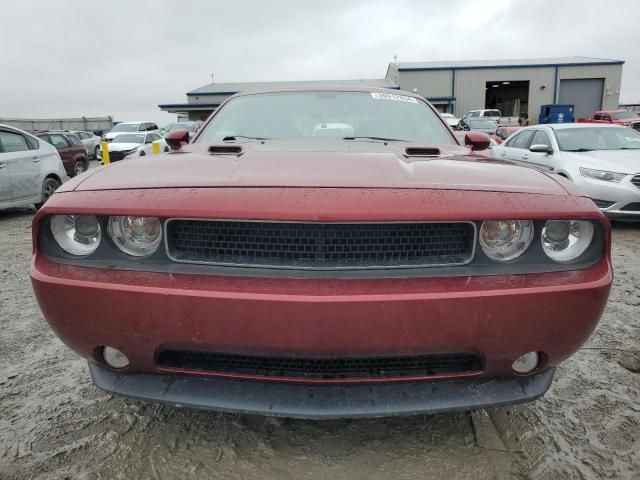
[
  {"x": 626, "y": 118},
  {"x": 502, "y": 133},
  {"x": 72, "y": 152},
  {"x": 322, "y": 253}
]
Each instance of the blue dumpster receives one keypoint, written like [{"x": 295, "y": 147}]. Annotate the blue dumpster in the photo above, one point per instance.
[{"x": 556, "y": 114}]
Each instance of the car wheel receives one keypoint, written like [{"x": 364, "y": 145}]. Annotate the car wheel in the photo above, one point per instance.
[
  {"x": 96, "y": 151},
  {"x": 166, "y": 149},
  {"x": 142, "y": 154},
  {"x": 49, "y": 186},
  {"x": 79, "y": 167}
]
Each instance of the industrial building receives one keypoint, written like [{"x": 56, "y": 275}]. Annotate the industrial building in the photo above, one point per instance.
[{"x": 512, "y": 86}]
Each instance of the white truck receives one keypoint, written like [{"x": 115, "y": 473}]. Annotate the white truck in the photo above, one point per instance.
[{"x": 492, "y": 114}]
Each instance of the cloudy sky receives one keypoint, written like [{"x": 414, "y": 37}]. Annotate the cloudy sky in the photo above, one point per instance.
[{"x": 123, "y": 58}]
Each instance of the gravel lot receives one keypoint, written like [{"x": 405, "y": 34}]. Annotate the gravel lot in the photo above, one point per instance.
[{"x": 55, "y": 424}]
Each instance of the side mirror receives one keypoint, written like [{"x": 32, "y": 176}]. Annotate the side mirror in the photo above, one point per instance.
[
  {"x": 476, "y": 141},
  {"x": 177, "y": 138},
  {"x": 540, "y": 148}
]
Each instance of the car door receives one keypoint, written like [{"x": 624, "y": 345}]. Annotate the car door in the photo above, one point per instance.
[
  {"x": 517, "y": 147},
  {"x": 64, "y": 148},
  {"x": 20, "y": 160},
  {"x": 541, "y": 159}
]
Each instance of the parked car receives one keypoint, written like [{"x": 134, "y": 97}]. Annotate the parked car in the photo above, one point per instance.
[
  {"x": 502, "y": 133},
  {"x": 484, "y": 125},
  {"x": 90, "y": 141},
  {"x": 130, "y": 127},
  {"x": 264, "y": 269},
  {"x": 191, "y": 127},
  {"x": 603, "y": 160},
  {"x": 71, "y": 150},
  {"x": 491, "y": 114},
  {"x": 30, "y": 169},
  {"x": 625, "y": 118},
  {"x": 130, "y": 145},
  {"x": 451, "y": 119}
]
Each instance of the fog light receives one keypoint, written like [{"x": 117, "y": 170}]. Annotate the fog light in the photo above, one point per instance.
[
  {"x": 526, "y": 363},
  {"x": 114, "y": 357}
]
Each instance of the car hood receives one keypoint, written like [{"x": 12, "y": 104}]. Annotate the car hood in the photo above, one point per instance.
[
  {"x": 621, "y": 161},
  {"x": 339, "y": 164},
  {"x": 122, "y": 147}
]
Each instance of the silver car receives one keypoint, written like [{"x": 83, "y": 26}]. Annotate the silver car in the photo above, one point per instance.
[
  {"x": 90, "y": 141},
  {"x": 603, "y": 160},
  {"x": 30, "y": 169}
]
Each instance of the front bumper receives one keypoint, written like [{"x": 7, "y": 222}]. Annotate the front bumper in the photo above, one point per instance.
[
  {"x": 323, "y": 401},
  {"x": 624, "y": 196},
  {"x": 497, "y": 317}
]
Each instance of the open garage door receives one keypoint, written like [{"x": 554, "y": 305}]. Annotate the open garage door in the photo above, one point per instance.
[{"x": 584, "y": 93}]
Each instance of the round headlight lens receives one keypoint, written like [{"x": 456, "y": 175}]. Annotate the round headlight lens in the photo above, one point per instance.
[
  {"x": 136, "y": 236},
  {"x": 565, "y": 240},
  {"x": 76, "y": 234},
  {"x": 505, "y": 240}
]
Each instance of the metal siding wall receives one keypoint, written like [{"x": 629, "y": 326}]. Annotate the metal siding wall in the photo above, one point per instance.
[
  {"x": 612, "y": 75},
  {"x": 433, "y": 83},
  {"x": 470, "y": 87}
]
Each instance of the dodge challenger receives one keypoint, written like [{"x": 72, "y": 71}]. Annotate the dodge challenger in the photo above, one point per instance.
[{"x": 322, "y": 253}]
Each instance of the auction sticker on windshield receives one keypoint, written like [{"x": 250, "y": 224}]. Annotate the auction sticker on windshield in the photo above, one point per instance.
[{"x": 393, "y": 96}]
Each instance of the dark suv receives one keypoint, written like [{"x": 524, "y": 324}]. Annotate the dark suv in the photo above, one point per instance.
[{"x": 71, "y": 150}]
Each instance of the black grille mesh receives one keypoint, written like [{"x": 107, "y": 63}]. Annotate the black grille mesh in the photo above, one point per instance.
[
  {"x": 631, "y": 207},
  {"x": 321, "y": 368},
  {"x": 320, "y": 245}
]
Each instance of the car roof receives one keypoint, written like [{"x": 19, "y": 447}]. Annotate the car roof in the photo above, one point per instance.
[{"x": 566, "y": 126}]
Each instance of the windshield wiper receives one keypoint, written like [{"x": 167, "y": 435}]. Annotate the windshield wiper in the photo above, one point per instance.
[
  {"x": 629, "y": 148},
  {"x": 580, "y": 150},
  {"x": 376, "y": 138},
  {"x": 231, "y": 138}
]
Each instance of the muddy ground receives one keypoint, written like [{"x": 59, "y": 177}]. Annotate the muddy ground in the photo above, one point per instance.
[{"x": 55, "y": 424}]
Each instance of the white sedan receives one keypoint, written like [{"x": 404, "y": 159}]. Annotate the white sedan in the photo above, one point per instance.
[
  {"x": 603, "y": 160},
  {"x": 132, "y": 145},
  {"x": 451, "y": 119}
]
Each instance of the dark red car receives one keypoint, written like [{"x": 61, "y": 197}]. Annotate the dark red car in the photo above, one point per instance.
[
  {"x": 71, "y": 150},
  {"x": 322, "y": 253},
  {"x": 502, "y": 133},
  {"x": 625, "y": 118}
]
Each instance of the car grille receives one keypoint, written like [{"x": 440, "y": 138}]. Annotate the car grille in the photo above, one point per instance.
[
  {"x": 320, "y": 245},
  {"x": 636, "y": 181},
  {"x": 631, "y": 207},
  {"x": 602, "y": 203},
  {"x": 115, "y": 156},
  {"x": 321, "y": 368}
]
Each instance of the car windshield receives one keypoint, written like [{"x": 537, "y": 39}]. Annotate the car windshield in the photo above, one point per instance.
[
  {"x": 125, "y": 127},
  {"x": 597, "y": 138},
  {"x": 127, "y": 138},
  {"x": 482, "y": 123},
  {"x": 327, "y": 114},
  {"x": 624, "y": 115}
]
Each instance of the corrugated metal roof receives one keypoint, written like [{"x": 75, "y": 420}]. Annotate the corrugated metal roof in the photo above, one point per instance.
[
  {"x": 507, "y": 63},
  {"x": 230, "y": 88}
]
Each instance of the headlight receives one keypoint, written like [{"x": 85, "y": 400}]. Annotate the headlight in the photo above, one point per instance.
[
  {"x": 602, "y": 175},
  {"x": 505, "y": 240},
  {"x": 565, "y": 240},
  {"x": 76, "y": 234},
  {"x": 136, "y": 236}
]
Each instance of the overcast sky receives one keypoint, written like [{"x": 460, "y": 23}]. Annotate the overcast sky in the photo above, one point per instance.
[{"x": 123, "y": 58}]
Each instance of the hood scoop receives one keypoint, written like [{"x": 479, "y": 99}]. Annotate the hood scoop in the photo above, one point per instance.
[
  {"x": 225, "y": 149},
  {"x": 422, "y": 152}
]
